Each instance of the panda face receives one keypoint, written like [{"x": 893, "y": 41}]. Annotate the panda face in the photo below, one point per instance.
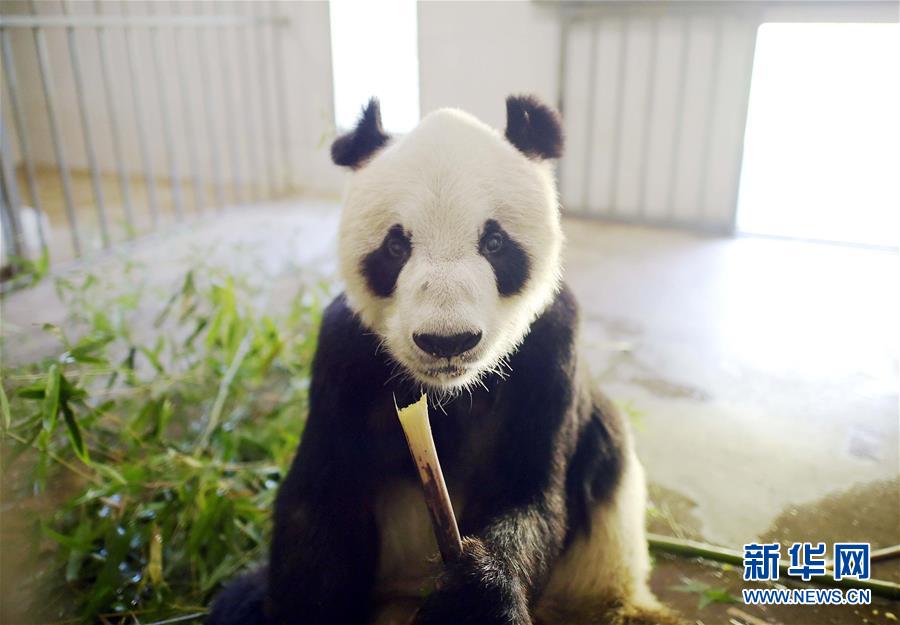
[{"x": 450, "y": 247}]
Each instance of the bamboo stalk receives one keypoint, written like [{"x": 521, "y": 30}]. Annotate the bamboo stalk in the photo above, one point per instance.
[
  {"x": 693, "y": 549},
  {"x": 886, "y": 553},
  {"x": 417, "y": 429}
]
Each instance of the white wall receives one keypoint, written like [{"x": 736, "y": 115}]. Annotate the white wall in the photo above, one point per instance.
[
  {"x": 308, "y": 79},
  {"x": 474, "y": 54}
]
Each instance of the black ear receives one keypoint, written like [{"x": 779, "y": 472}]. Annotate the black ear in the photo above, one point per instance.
[
  {"x": 354, "y": 148},
  {"x": 533, "y": 127}
]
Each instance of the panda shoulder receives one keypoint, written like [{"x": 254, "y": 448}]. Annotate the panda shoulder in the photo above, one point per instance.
[
  {"x": 552, "y": 336},
  {"x": 338, "y": 315},
  {"x": 342, "y": 336},
  {"x": 561, "y": 317}
]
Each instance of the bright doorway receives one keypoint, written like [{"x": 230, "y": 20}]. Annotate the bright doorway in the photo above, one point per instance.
[{"x": 822, "y": 149}]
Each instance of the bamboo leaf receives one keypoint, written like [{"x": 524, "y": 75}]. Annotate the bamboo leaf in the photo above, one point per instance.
[
  {"x": 153, "y": 355},
  {"x": 53, "y": 329},
  {"x": 108, "y": 472},
  {"x": 155, "y": 565},
  {"x": 50, "y": 405},
  {"x": 10, "y": 458},
  {"x": 69, "y": 542},
  {"x": 68, "y": 391},
  {"x": 77, "y": 553},
  {"x": 32, "y": 391},
  {"x": 4, "y": 408},
  {"x": 86, "y": 352},
  {"x": 75, "y": 433}
]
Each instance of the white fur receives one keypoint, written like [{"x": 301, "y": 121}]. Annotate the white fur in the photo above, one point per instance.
[
  {"x": 612, "y": 561},
  {"x": 442, "y": 182},
  {"x": 407, "y": 547}
]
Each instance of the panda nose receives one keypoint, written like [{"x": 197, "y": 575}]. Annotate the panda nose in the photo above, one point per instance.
[{"x": 447, "y": 346}]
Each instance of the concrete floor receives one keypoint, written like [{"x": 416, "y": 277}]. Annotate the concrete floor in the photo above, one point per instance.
[
  {"x": 766, "y": 370},
  {"x": 762, "y": 375}
]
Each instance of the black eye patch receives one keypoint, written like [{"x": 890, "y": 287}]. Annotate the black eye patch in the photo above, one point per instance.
[
  {"x": 382, "y": 266},
  {"x": 509, "y": 261}
]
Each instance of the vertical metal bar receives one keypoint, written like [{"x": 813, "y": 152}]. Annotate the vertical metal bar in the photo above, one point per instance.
[
  {"x": 231, "y": 117},
  {"x": 616, "y": 147},
  {"x": 12, "y": 203},
  {"x": 12, "y": 84},
  {"x": 591, "y": 105},
  {"x": 188, "y": 125},
  {"x": 86, "y": 130},
  {"x": 250, "y": 130},
  {"x": 677, "y": 119},
  {"x": 649, "y": 95},
  {"x": 9, "y": 242},
  {"x": 163, "y": 103},
  {"x": 264, "y": 98},
  {"x": 212, "y": 138},
  {"x": 284, "y": 130},
  {"x": 113, "y": 117},
  {"x": 752, "y": 22},
  {"x": 262, "y": 74},
  {"x": 141, "y": 124},
  {"x": 43, "y": 57},
  {"x": 711, "y": 91},
  {"x": 565, "y": 25}
]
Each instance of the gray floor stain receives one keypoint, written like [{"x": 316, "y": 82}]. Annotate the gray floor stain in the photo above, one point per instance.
[{"x": 667, "y": 388}]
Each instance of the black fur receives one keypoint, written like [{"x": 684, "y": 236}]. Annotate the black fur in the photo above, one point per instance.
[
  {"x": 528, "y": 454},
  {"x": 242, "y": 601},
  {"x": 533, "y": 127},
  {"x": 355, "y": 148},
  {"x": 510, "y": 263},
  {"x": 382, "y": 266}
]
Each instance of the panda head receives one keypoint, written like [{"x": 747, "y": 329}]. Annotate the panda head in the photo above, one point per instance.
[{"x": 450, "y": 237}]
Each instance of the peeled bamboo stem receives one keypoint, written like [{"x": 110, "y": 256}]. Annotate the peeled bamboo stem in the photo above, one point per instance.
[{"x": 417, "y": 429}]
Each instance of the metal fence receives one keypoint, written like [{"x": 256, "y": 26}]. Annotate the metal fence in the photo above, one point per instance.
[{"x": 189, "y": 107}]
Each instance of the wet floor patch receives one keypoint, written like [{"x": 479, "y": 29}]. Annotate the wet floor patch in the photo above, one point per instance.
[{"x": 865, "y": 513}]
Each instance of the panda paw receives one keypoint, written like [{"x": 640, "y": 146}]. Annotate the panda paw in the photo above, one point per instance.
[{"x": 476, "y": 590}]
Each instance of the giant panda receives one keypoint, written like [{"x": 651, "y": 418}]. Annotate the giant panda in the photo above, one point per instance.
[{"x": 450, "y": 249}]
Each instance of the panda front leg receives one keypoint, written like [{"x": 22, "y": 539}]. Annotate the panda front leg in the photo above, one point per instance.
[
  {"x": 502, "y": 568},
  {"x": 320, "y": 572},
  {"x": 324, "y": 548}
]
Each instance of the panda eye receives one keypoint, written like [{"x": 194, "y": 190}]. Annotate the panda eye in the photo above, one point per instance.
[
  {"x": 492, "y": 243},
  {"x": 397, "y": 246}
]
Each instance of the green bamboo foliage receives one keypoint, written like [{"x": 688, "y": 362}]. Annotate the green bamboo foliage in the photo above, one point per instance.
[{"x": 160, "y": 451}]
